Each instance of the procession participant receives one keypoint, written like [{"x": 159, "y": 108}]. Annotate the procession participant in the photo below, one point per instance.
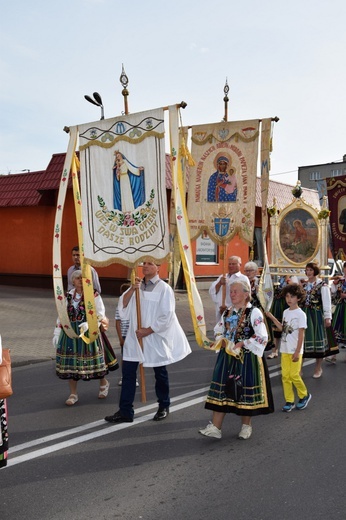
[
  {"x": 110, "y": 356},
  {"x": 75, "y": 359},
  {"x": 163, "y": 339},
  {"x": 216, "y": 288},
  {"x": 293, "y": 327},
  {"x": 77, "y": 267},
  {"x": 243, "y": 337},
  {"x": 122, "y": 326},
  {"x": 277, "y": 309},
  {"x": 251, "y": 271},
  {"x": 3, "y": 426},
  {"x": 319, "y": 339},
  {"x": 338, "y": 296}
]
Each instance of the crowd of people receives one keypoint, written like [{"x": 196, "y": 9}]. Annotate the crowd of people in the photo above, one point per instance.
[
  {"x": 300, "y": 325},
  {"x": 307, "y": 320}
]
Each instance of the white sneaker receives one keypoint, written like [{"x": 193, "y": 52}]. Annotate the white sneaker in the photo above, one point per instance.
[
  {"x": 137, "y": 384},
  {"x": 245, "y": 432},
  {"x": 211, "y": 431}
]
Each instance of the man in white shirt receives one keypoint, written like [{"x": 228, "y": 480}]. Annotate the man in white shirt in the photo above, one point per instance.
[
  {"x": 162, "y": 337},
  {"x": 76, "y": 267},
  {"x": 223, "y": 283}
]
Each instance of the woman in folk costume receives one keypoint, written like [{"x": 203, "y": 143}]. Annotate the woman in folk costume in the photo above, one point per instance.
[
  {"x": 242, "y": 337},
  {"x": 338, "y": 290},
  {"x": 319, "y": 340},
  {"x": 3, "y": 426},
  {"x": 76, "y": 359}
]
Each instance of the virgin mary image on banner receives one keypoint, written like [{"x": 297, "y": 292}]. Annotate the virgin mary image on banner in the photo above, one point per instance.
[
  {"x": 222, "y": 184},
  {"x": 128, "y": 182}
]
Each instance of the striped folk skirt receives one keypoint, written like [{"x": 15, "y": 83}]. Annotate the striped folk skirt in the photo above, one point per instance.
[
  {"x": 3, "y": 433},
  {"x": 319, "y": 340},
  {"x": 257, "y": 398},
  {"x": 339, "y": 323},
  {"x": 77, "y": 360}
]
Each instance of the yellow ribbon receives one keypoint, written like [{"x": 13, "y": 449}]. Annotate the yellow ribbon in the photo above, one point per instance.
[{"x": 88, "y": 289}]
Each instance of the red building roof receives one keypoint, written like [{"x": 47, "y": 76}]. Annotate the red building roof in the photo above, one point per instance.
[
  {"x": 37, "y": 188},
  {"x": 21, "y": 189},
  {"x": 283, "y": 194},
  {"x": 31, "y": 189}
]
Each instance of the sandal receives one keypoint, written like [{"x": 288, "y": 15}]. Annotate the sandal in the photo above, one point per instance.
[
  {"x": 103, "y": 392},
  {"x": 273, "y": 355},
  {"x": 73, "y": 399}
]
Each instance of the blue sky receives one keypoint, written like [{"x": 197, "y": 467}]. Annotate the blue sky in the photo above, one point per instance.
[{"x": 284, "y": 59}]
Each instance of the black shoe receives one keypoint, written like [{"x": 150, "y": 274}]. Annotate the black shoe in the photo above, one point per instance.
[
  {"x": 161, "y": 414},
  {"x": 117, "y": 418}
]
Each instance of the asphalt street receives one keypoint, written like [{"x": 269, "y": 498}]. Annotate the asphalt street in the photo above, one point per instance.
[{"x": 67, "y": 462}]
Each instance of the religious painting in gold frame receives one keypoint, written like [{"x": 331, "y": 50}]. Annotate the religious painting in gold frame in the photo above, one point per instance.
[{"x": 299, "y": 236}]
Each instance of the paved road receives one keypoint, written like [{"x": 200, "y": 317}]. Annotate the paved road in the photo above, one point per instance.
[
  {"x": 68, "y": 463},
  {"x": 27, "y": 320}
]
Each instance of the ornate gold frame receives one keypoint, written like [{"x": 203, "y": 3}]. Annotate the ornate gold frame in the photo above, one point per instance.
[{"x": 296, "y": 241}]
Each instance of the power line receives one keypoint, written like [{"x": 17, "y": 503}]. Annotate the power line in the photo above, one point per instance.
[{"x": 283, "y": 173}]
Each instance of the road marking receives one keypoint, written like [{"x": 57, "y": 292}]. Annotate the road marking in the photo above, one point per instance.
[{"x": 189, "y": 400}]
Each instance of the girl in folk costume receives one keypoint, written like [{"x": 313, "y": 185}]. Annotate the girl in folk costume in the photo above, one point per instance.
[
  {"x": 338, "y": 290},
  {"x": 319, "y": 340},
  {"x": 76, "y": 359},
  {"x": 242, "y": 337}
]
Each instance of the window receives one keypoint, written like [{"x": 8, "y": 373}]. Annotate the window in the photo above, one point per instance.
[
  {"x": 315, "y": 176},
  {"x": 335, "y": 173}
]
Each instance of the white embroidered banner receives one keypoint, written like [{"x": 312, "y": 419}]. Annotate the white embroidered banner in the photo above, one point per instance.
[
  {"x": 266, "y": 288},
  {"x": 222, "y": 184},
  {"x": 123, "y": 189}
]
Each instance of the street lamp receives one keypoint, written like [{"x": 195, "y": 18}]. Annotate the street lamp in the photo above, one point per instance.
[{"x": 96, "y": 100}]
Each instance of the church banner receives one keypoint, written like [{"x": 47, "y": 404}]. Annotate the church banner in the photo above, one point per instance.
[
  {"x": 336, "y": 190},
  {"x": 222, "y": 184},
  {"x": 266, "y": 288},
  {"x": 125, "y": 218}
]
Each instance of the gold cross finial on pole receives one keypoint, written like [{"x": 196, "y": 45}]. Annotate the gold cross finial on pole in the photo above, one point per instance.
[
  {"x": 124, "y": 80},
  {"x": 226, "y": 90}
]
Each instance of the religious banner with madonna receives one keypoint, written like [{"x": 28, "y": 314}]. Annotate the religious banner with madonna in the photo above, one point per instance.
[
  {"x": 222, "y": 184},
  {"x": 125, "y": 217}
]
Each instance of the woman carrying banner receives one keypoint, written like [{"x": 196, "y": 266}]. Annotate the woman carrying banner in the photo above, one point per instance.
[
  {"x": 240, "y": 382},
  {"x": 76, "y": 359},
  {"x": 319, "y": 340}
]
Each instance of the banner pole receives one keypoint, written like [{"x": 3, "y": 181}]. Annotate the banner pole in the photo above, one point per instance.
[
  {"x": 224, "y": 269},
  {"x": 226, "y": 100},
  {"x": 124, "y": 80},
  {"x": 139, "y": 325}
]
